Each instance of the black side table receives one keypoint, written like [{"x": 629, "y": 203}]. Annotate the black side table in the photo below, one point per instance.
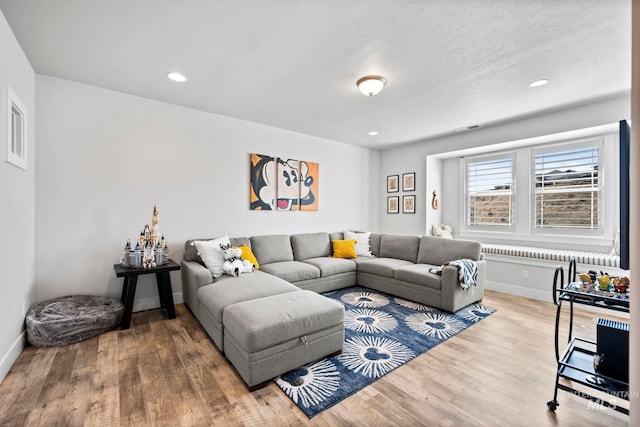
[{"x": 163, "y": 279}]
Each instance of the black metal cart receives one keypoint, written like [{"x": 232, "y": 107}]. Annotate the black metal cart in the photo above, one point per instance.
[{"x": 577, "y": 362}]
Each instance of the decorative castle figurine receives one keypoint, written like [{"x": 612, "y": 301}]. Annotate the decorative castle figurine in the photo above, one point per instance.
[{"x": 151, "y": 249}]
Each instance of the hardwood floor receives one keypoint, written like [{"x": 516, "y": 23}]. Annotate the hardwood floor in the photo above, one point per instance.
[{"x": 500, "y": 372}]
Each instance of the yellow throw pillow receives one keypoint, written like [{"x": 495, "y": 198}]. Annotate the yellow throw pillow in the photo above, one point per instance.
[
  {"x": 249, "y": 256},
  {"x": 344, "y": 249}
]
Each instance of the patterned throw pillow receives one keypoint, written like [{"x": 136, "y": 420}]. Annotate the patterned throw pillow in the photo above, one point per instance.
[{"x": 211, "y": 254}]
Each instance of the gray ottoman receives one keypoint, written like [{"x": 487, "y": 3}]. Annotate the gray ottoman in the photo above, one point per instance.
[
  {"x": 228, "y": 290},
  {"x": 68, "y": 320},
  {"x": 269, "y": 336}
]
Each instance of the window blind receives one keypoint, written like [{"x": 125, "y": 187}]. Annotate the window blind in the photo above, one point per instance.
[
  {"x": 489, "y": 191},
  {"x": 567, "y": 188}
]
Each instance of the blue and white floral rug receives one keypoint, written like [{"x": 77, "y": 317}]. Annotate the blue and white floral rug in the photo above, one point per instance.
[{"x": 382, "y": 332}]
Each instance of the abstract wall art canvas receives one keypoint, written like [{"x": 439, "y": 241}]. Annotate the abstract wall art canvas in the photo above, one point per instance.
[
  {"x": 262, "y": 194},
  {"x": 309, "y": 186},
  {"x": 283, "y": 184},
  {"x": 288, "y": 184}
]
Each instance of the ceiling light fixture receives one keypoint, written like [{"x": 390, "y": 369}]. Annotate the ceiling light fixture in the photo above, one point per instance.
[
  {"x": 177, "y": 77},
  {"x": 538, "y": 83},
  {"x": 373, "y": 133},
  {"x": 371, "y": 85}
]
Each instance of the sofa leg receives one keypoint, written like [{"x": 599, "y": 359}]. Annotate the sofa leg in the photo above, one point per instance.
[{"x": 259, "y": 386}]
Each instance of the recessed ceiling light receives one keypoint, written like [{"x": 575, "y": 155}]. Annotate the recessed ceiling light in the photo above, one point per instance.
[
  {"x": 373, "y": 133},
  {"x": 538, "y": 83},
  {"x": 177, "y": 77}
]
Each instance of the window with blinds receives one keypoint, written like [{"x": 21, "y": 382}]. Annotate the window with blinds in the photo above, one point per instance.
[
  {"x": 490, "y": 191},
  {"x": 567, "y": 187}
]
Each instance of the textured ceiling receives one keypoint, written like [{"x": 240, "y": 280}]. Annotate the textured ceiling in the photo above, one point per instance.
[{"x": 293, "y": 64}]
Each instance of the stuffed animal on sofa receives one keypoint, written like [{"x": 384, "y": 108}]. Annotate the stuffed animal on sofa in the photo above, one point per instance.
[
  {"x": 233, "y": 263},
  {"x": 443, "y": 231}
]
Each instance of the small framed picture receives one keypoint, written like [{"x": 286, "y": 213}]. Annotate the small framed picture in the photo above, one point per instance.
[
  {"x": 392, "y": 205},
  {"x": 392, "y": 184},
  {"x": 409, "y": 204},
  {"x": 409, "y": 181}
]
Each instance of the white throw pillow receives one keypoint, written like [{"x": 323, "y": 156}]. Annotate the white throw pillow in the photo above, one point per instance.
[
  {"x": 443, "y": 231},
  {"x": 362, "y": 242},
  {"x": 211, "y": 254}
]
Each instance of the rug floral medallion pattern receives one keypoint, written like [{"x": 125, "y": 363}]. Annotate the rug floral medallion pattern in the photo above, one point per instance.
[{"x": 382, "y": 332}]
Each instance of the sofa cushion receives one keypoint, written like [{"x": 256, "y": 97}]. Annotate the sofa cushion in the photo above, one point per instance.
[
  {"x": 384, "y": 267},
  {"x": 239, "y": 241},
  {"x": 228, "y": 290},
  {"x": 400, "y": 247},
  {"x": 191, "y": 252},
  {"x": 310, "y": 245},
  {"x": 291, "y": 271},
  {"x": 436, "y": 251},
  {"x": 362, "y": 259},
  {"x": 330, "y": 266},
  {"x": 337, "y": 235},
  {"x": 272, "y": 248},
  {"x": 420, "y": 275},
  {"x": 374, "y": 243},
  {"x": 344, "y": 248}
]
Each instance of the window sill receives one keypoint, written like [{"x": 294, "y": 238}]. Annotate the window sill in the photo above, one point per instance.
[{"x": 551, "y": 241}]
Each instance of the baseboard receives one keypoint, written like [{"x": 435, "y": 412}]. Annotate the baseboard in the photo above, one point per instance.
[
  {"x": 20, "y": 342},
  {"x": 154, "y": 302},
  {"x": 518, "y": 290},
  {"x": 544, "y": 296},
  {"x": 10, "y": 356}
]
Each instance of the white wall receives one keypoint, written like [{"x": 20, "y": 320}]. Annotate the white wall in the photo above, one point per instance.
[
  {"x": 105, "y": 158},
  {"x": 16, "y": 204},
  {"x": 433, "y": 178},
  {"x": 451, "y": 172},
  {"x": 504, "y": 274},
  {"x": 411, "y": 157}
]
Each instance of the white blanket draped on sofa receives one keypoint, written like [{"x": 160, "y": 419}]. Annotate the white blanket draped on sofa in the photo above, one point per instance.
[{"x": 467, "y": 271}]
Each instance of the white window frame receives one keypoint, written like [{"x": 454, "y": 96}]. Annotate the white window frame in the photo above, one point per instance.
[
  {"x": 525, "y": 233},
  {"x": 602, "y": 196},
  {"x": 16, "y": 130},
  {"x": 498, "y": 228}
]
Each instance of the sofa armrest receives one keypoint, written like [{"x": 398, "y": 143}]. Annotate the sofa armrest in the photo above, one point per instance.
[
  {"x": 453, "y": 296},
  {"x": 194, "y": 276}
]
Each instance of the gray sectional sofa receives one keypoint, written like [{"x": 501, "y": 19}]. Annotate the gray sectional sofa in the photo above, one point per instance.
[{"x": 289, "y": 264}]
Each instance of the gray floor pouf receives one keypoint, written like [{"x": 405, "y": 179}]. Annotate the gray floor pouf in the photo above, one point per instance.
[{"x": 68, "y": 320}]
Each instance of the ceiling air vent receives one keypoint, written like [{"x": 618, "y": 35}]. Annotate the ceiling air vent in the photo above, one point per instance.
[{"x": 467, "y": 128}]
